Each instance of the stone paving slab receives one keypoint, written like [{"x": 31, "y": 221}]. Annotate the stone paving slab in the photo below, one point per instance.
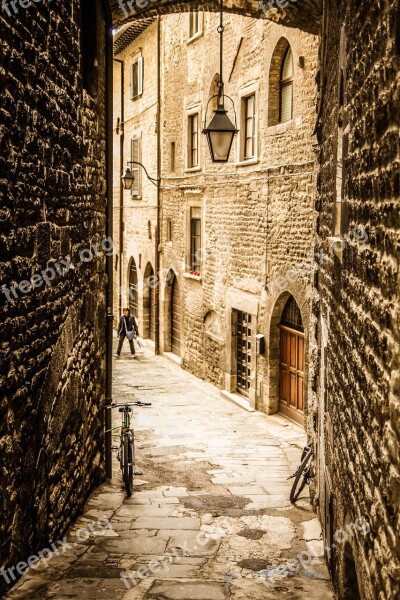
[{"x": 210, "y": 518}]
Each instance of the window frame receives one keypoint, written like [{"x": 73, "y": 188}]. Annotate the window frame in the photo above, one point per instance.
[
  {"x": 194, "y": 111},
  {"x": 200, "y": 22},
  {"x": 284, "y": 83},
  {"x": 195, "y": 240},
  {"x": 194, "y": 212},
  {"x": 139, "y": 62},
  {"x": 245, "y": 93}
]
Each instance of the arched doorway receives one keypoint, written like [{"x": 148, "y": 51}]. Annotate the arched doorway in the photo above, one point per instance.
[
  {"x": 149, "y": 303},
  {"x": 291, "y": 362},
  {"x": 133, "y": 288},
  {"x": 175, "y": 316}
]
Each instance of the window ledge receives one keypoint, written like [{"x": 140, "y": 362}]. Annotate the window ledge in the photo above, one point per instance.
[
  {"x": 192, "y": 276},
  {"x": 194, "y": 37},
  {"x": 248, "y": 161},
  {"x": 193, "y": 169},
  {"x": 280, "y": 127}
]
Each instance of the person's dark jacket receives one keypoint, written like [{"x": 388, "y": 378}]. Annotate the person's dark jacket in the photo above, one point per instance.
[{"x": 130, "y": 325}]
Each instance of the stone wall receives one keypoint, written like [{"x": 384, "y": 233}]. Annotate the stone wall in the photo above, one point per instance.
[
  {"x": 52, "y": 204},
  {"x": 357, "y": 300}
]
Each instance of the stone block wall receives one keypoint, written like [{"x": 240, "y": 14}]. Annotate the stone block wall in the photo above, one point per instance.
[
  {"x": 357, "y": 301},
  {"x": 52, "y": 206}
]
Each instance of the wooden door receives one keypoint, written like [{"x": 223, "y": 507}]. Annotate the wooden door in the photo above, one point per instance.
[
  {"x": 152, "y": 313},
  {"x": 291, "y": 374},
  {"x": 175, "y": 318}
]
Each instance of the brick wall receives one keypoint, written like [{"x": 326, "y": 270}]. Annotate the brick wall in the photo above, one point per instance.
[
  {"x": 52, "y": 203},
  {"x": 357, "y": 300}
]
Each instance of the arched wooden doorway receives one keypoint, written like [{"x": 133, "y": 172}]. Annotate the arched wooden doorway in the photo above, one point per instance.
[
  {"x": 175, "y": 316},
  {"x": 149, "y": 303},
  {"x": 291, "y": 363},
  {"x": 133, "y": 288}
]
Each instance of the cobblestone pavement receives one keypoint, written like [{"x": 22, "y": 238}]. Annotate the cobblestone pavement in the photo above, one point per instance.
[{"x": 210, "y": 517}]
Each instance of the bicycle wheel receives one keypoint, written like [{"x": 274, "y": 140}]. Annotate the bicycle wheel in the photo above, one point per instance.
[
  {"x": 127, "y": 465},
  {"x": 302, "y": 477}
]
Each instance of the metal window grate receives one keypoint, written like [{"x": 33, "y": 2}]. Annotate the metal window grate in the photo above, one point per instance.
[
  {"x": 291, "y": 316},
  {"x": 243, "y": 338}
]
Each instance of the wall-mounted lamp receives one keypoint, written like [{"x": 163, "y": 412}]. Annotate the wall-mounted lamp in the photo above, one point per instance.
[{"x": 220, "y": 131}]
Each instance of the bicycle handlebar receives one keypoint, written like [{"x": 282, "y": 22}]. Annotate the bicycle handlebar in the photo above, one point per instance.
[{"x": 121, "y": 405}]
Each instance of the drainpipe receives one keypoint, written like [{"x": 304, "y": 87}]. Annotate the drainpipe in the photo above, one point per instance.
[
  {"x": 158, "y": 232},
  {"x": 121, "y": 187},
  {"x": 109, "y": 233}
]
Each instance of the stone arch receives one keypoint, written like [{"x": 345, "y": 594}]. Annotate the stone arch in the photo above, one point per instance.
[
  {"x": 274, "y": 340},
  {"x": 305, "y": 15},
  {"x": 279, "y": 54}
]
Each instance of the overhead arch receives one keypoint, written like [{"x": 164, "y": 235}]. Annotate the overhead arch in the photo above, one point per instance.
[{"x": 300, "y": 14}]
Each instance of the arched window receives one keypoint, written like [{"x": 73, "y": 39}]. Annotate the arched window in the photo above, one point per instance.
[
  {"x": 133, "y": 288},
  {"x": 286, "y": 87},
  {"x": 280, "y": 95}
]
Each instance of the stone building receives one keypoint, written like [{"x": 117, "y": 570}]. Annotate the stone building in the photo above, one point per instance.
[
  {"x": 135, "y": 139},
  {"x": 236, "y": 241},
  {"x": 52, "y": 323}
]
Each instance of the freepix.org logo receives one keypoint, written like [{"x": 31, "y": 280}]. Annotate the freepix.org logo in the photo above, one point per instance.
[
  {"x": 131, "y": 4},
  {"x": 13, "y": 5}
]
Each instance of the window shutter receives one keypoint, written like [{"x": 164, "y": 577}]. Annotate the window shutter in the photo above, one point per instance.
[
  {"x": 135, "y": 156},
  {"x": 286, "y": 102},
  {"x": 140, "y": 76}
]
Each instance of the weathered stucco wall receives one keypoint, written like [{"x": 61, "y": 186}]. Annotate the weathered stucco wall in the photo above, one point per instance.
[{"x": 52, "y": 204}]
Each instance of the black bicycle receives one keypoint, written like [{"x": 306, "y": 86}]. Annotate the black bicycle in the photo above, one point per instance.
[
  {"x": 303, "y": 474},
  {"x": 126, "y": 450}
]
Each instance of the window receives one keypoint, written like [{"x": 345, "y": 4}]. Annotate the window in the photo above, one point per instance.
[
  {"x": 169, "y": 230},
  {"x": 280, "y": 84},
  {"x": 194, "y": 24},
  {"x": 193, "y": 140},
  {"x": 137, "y": 78},
  {"x": 135, "y": 156},
  {"x": 286, "y": 88},
  {"x": 195, "y": 240},
  {"x": 172, "y": 164},
  {"x": 249, "y": 114}
]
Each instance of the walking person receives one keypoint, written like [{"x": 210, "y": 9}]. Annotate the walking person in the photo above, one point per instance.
[{"x": 127, "y": 328}]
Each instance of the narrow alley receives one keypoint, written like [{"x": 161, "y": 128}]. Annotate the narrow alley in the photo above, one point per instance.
[{"x": 210, "y": 516}]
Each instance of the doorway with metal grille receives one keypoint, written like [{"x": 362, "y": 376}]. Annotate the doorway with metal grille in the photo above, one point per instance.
[{"x": 243, "y": 351}]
